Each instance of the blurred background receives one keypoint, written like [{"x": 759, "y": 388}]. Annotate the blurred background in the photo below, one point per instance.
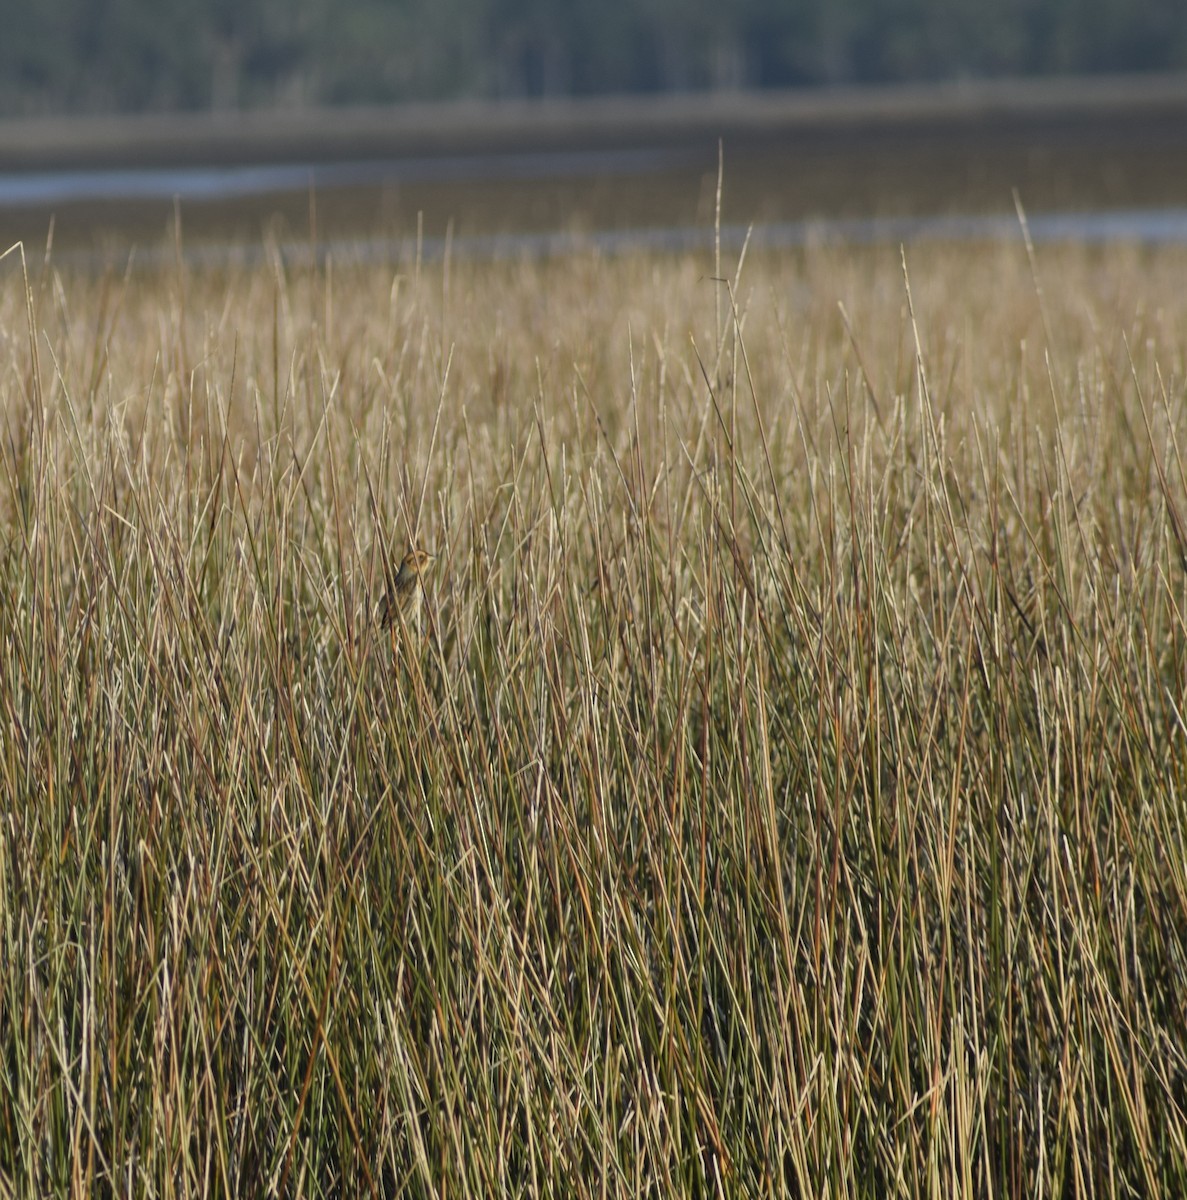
[
  {"x": 133, "y": 55},
  {"x": 586, "y": 114}
]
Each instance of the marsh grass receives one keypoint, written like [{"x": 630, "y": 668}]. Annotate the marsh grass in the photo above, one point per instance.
[{"x": 785, "y": 797}]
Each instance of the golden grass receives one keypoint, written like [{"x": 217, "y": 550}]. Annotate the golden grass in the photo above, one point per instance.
[{"x": 786, "y": 796}]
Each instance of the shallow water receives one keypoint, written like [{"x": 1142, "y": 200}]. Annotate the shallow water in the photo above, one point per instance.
[
  {"x": 20, "y": 190},
  {"x": 625, "y": 200},
  {"x": 1149, "y": 228}
]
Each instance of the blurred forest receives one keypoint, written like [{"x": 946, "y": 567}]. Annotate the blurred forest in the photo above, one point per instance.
[{"x": 128, "y": 55}]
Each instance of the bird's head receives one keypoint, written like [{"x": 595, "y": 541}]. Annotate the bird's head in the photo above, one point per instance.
[{"x": 416, "y": 560}]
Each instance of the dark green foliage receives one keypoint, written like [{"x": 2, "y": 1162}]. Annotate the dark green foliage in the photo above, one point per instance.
[{"x": 125, "y": 55}]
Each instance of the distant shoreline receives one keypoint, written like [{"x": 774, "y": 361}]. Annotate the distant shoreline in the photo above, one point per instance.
[
  {"x": 614, "y": 164},
  {"x": 1150, "y": 105}
]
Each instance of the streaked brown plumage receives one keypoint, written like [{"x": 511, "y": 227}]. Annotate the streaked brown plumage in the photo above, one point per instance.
[{"x": 403, "y": 598}]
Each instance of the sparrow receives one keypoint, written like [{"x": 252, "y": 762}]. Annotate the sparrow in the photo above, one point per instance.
[{"x": 402, "y": 600}]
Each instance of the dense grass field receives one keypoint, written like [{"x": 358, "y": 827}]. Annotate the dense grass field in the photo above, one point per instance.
[{"x": 783, "y": 792}]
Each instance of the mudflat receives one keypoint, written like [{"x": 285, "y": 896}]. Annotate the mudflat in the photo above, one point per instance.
[{"x": 621, "y": 162}]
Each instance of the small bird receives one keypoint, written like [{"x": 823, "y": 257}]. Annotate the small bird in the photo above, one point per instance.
[{"x": 402, "y": 601}]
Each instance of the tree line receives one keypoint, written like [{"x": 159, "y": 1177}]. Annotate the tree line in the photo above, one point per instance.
[{"x": 128, "y": 55}]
